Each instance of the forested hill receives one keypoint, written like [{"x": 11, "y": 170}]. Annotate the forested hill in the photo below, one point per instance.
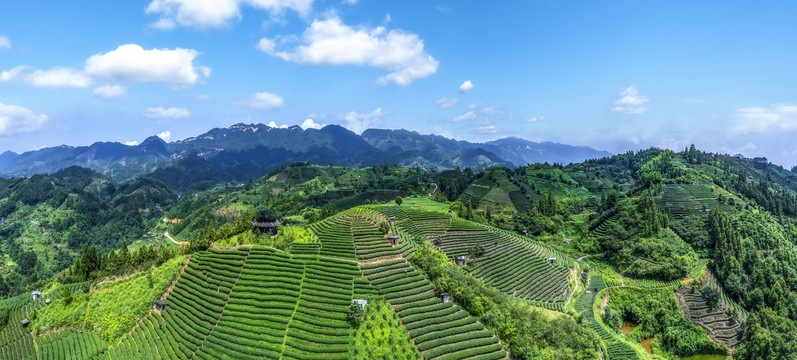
[
  {"x": 651, "y": 254},
  {"x": 241, "y": 152},
  {"x": 46, "y": 220}
]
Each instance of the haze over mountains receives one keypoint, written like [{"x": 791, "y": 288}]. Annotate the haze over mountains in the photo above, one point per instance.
[{"x": 249, "y": 151}]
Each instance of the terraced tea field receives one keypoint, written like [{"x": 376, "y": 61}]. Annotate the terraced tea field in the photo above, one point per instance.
[
  {"x": 510, "y": 263},
  {"x": 334, "y": 236},
  {"x": 70, "y": 344},
  {"x": 714, "y": 320},
  {"x": 679, "y": 202},
  {"x": 251, "y": 303},
  {"x": 440, "y": 330},
  {"x": 615, "y": 348},
  {"x": 16, "y": 341}
]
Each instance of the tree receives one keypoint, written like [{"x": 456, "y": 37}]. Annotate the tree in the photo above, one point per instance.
[
  {"x": 768, "y": 336},
  {"x": 612, "y": 319},
  {"x": 476, "y": 251},
  {"x": 67, "y": 294},
  {"x": 26, "y": 262},
  {"x": 712, "y": 296},
  {"x": 399, "y": 200},
  {"x": 727, "y": 244},
  {"x": 355, "y": 315}
]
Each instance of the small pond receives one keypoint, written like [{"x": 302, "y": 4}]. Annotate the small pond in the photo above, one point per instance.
[
  {"x": 647, "y": 343},
  {"x": 627, "y": 327}
]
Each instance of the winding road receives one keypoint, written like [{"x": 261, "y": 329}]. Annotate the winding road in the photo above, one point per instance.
[{"x": 174, "y": 241}]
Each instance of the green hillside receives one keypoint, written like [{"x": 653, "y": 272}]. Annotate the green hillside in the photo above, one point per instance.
[{"x": 649, "y": 255}]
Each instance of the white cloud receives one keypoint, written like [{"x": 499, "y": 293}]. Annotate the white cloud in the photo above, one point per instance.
[
  {"x": 15, "y": 119},
  {"x": 262, "y": 101},
  {"x": 210, "y": 14},
  {"x": 128, "y": 63},
  {"x": 310, "y": 124},
  {"x": 274, "y": 125},
  {"x": 631, "y": 102},
  {"x": 491, "y": 112},
  {"x": 331, "y": 42},
  {"x": 5, "y": 43},
  {"x": 446, "y": 103},
  {"x": 466, "y": 87},
  {"x": 110, "y": 91},
  {"x": 358, "y": 122},
  {"x": 535, "y": 119},
  {"x": 470, "y": 115},
  {"x": 202, "y": 98},
  {"x": 489, "y": 129},
  {"x": 134, "y": 143},
  {"x": 134, "y": 64},
  {"x": 350, "y": 2},
  {"x": 775, "y": 118},
  {"x": 165, "y": 136},
  {"x": 163, "y": 113},
  {"x": 266, "y": 45},
  {"x": 57, "y": 77},
  {"x": 474, "y": 105}
]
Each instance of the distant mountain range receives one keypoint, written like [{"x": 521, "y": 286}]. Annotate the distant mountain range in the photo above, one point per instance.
[{"x": 249, "y": 151}]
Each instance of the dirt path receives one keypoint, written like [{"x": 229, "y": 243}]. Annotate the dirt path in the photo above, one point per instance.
[
  {"x": 174, "y": 241},
  {"x": 583, "y": 257},
  {"x": 171, "y": 287}
]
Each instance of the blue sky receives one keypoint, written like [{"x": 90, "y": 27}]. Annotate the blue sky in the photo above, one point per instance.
[{"x": 614, "y": 75}]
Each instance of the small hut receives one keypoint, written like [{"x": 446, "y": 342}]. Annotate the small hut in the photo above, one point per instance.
[
  {"x": 360, "y": 302},
  {"x": 25, "y": 323},
  {"x": 36, "y": 295},
  {"x": 446, "y": 297},
  {"x": 461, "y": 260},
  {"x": 267, "y": 226},
  {"x": 551, "y": 260},
  {"x": 392, "y": 219},
  {"x": 160, "y": 305},
  {"x": 393, "y": 239},
  {"x": 47, "y": 301},
  {"x": 524, "y": 232}
]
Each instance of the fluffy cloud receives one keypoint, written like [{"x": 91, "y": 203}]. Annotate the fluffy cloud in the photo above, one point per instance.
[
  {"x": 210, "y": 14},
  {"x": 631, "y": 102},
  {"x": 310, "y": 124},
  {"x": 57, "y": 77},
  {"x": 331, "y": 42},
  {"x": 358, "y": 122},
  {"x": 489, "y": 129},
  {"x": 274, "y": 125},
  {"x": 165, "y": 136},
  {"x": 110, "y": 91},
  {"x": 775, "y": 118},
  {"x": 446, "y": 103},
  {"x": 535, "y": 119},
  {"x": 470, "y": 115},
  {"x": 262, "y": 101},
  {"x": 163, "y": 113},
  {"x": 466, "y": 87},
  {"x": 128, "y": 63},
  {"x": 5, "y": 43},
  {"x": 134, "y": 143},
  {"x": 134, "y": 64},
  {"x": 15, "y": 119}
]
